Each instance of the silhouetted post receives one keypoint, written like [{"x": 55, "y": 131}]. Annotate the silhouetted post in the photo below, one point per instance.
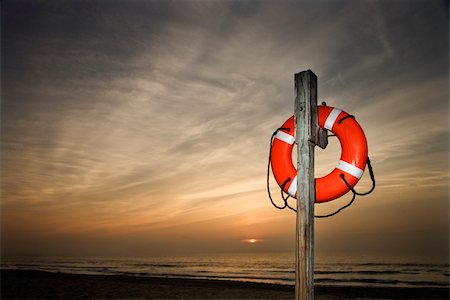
[{"x": 307, "y": 133}]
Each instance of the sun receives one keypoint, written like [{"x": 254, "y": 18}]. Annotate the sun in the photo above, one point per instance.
[{"x": 251, "y": 241}]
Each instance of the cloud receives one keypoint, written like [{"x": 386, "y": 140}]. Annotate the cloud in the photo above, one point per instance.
[{"x": 140, "y": 117}]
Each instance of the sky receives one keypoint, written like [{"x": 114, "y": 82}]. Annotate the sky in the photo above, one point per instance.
[{"x": 143, "y": 127}]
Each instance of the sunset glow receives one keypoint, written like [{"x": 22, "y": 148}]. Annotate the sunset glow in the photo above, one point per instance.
[{"x": 251, "y": 241}]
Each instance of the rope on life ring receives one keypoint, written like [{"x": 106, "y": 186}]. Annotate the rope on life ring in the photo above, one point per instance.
[{"x": 341, "y": 180}]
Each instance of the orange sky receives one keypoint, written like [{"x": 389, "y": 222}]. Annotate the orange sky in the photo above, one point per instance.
[{"x": 143, "y": 127}]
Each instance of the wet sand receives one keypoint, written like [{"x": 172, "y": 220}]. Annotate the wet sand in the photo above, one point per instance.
[{"x": 23, "y": 284}]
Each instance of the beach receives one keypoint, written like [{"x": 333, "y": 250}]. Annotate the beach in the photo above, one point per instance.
[{"x": 31, "y": 284}]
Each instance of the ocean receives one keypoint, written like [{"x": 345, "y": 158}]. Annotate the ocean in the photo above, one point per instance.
[{"x": 266, "y": 268}]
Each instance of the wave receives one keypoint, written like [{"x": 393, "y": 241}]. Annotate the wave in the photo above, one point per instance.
[
  {"x": 261, "y": 270},
  {"x": 382, "y": 281},
  {"x": 146, "y": 265},
  {"x": 364, "y": 272},
  {"x": 284, "y": 280},
  {"x": 372, "y": 264}
]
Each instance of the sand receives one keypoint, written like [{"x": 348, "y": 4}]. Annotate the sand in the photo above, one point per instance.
[{"x": 22, "y": 284}]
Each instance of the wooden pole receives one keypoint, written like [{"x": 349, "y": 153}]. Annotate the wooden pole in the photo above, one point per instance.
[{"x": 306, "y": 131}]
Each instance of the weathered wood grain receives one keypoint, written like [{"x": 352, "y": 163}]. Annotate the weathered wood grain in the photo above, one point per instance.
[{"x": 306, "y": 134}]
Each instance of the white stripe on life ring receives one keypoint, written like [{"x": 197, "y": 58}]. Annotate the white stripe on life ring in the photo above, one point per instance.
[
  {"x": 350, "y": 169},
  {"x": 293, "y": 187},
  {"x": 332, "y": 118},
  {"x": 283, "y": 136}
]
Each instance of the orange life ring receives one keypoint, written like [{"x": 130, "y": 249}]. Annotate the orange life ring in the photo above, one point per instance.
[{"x": 351, "y": 164}]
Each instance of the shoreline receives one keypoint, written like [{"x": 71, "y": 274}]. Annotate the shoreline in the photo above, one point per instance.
[{"x": 32, "y": 284}]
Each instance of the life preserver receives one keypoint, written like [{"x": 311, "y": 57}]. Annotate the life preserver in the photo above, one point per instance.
[{"x": 351, "y": 164}]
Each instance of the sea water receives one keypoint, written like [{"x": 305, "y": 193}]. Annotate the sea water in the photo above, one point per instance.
[{"x": 277, "y": 268}]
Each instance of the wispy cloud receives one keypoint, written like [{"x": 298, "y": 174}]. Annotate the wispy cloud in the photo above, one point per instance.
[{"x": 144, "y": 117}]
